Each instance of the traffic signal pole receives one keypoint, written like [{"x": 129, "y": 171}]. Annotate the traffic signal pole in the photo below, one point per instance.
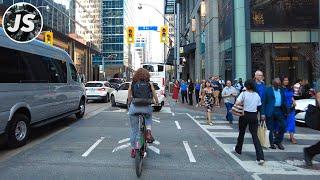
[{"x": 177, "y": 41}]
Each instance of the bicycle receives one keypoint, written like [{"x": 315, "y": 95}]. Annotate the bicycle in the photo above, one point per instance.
[{"x": 141, "y": 145}]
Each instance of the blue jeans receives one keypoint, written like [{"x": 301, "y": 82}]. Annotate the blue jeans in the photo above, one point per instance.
[
  {"x": 279, "y": 119},
  {"x": 229, "y": 114},
  {"x": 134, "y": 121}
]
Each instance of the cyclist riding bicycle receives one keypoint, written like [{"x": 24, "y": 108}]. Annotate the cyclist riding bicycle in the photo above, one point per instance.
[{"x": 140, "y": 96}]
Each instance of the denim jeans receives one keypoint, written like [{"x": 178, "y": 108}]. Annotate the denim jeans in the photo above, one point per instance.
[
  {"x": 279, "y": 119},
  {"x": 134, "y": 121},
  {"x": 229, "y": 114}
]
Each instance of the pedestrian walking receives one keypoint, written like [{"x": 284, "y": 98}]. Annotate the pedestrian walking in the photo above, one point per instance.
[
  {"x": 229, "y": 93},
  {"x": 222, "y": 85},
  {"x": 190, "y": 91},
  {"x": 311, "y": 151},
  {"x": 197, "y": 92},
  {"x": 239, "y": 85},
  {"x": 216, "y": 90},
  {"x": 208, "y": 99},
  {"x": 290, "y": 120},
  {"x": 250, "y": 101},
  {"x": 184, "y": 91},
  {"x": 203, "y": 85},
  {"x": 273, "y": 111},
  {"x": 260, "y": 88},
  {"x": 176, "y": 89},
  {"x": 297, "y": 94}
]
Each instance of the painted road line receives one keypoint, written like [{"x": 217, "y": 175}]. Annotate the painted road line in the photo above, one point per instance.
[
  {"x": 166, "y": 110},
  {"x": 177, "y": 124},
  {"x": 270, "y": 167},
  {"x": 120, "y": 147},
  {"x": 92, "y": 147},
  {"x": 123, "y": 140},
  {"x": 288, "y": 148},
  {"x": 218, "y": 122},
  {"x": 279, "y": 168},
  {"x": 156, "y": 142},
  {"x": 248, "y": 135},
  {"x": 217, "y": 126},
  {"x": 157, "y": 121},
  {"x": 154, "y": 149},
  {"x": 154, "y": 117},
  {"x": 189, "y": 152},
  {"x": 5, "y": 155}
]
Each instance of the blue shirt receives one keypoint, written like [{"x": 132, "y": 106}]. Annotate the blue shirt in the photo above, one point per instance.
[
  {"x": 260, "y": 87},
  {"x": 198, "y": 86},
  {"x": 277, "y": 96},
  {"x": 184, "y": 86}
]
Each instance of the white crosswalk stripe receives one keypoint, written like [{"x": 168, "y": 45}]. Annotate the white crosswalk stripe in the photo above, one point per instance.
[{"x": 225, "y": 134}]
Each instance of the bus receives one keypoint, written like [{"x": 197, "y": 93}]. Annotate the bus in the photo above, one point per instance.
[{"x": 158, "y": 74}]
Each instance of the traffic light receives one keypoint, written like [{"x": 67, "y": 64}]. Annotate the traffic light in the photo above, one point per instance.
[
  {"x": 164, "y": 34},
  {"x": 48, "y": 38},
  {"x": 130, "y": 33}
]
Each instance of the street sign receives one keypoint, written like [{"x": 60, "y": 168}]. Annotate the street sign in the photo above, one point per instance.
[{"x": 148, "y": 28}]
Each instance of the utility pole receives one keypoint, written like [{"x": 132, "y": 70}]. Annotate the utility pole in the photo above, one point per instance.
[{"x": 177, "y": 40}]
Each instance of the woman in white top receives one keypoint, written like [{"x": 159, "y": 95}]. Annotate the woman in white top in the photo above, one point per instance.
[{"x": 250, "y": 101}]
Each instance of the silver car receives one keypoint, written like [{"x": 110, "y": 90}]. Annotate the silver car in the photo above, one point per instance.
[{"x": 38, "y": 84}]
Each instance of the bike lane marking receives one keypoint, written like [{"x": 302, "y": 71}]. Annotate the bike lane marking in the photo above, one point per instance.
[
  {"x": 189, "y": 152},
  {"x": 93, "y": 147},
  {"x": 177, "y": 124}
]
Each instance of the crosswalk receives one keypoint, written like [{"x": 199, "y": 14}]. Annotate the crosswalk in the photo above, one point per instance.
[{"x": 289, "y": 161}]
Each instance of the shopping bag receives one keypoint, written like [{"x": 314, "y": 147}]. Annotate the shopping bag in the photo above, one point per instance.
[
  {"x": 263, "y": 135},
  {"x": 312, "y": 117}
]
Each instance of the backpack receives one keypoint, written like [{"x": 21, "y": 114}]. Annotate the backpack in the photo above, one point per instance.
[{"x": 141, "y": 93}]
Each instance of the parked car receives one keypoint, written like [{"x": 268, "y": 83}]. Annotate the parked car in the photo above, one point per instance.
[
  {"x": 116, "y": 82},
  {"x": 99, "y": 90},
  {"x": 39, "y": 84},
  {"x": 301, "y": 107},
  {"x": 120, "y": 96}
]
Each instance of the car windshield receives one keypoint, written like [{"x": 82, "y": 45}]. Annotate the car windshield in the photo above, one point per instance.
[
  {"x": 94, "y": 85},
  {"x": 118, "y": 81}
]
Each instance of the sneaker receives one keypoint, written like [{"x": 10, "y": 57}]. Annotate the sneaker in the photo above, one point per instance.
[
  {"x": 280, "y": 146},
  {"x": 149, "y": 137},
  {"x": 307, "y": 157},
  {"x": 133, "y": 153},
  {"x": 260, "y": 162},
  {"x": 197, "y": 105},
  {"x": 272, "y": 146}
]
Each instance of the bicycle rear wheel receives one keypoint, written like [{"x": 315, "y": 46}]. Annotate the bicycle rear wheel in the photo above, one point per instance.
[{"x": 138, "y": 163}]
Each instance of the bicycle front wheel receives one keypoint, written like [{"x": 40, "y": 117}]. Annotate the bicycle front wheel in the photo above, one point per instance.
[{"x": 138, "y": 163}]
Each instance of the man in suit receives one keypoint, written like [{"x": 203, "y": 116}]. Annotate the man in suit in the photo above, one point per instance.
[{"x": 273, "y": 110}]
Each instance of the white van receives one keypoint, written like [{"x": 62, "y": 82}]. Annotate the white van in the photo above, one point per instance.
[{"x": 38, "y": 84}]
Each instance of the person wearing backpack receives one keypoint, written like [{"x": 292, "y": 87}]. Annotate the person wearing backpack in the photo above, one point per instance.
[{"x": 140, "y": 96}]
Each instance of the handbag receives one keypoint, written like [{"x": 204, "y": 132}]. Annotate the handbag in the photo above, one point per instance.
[
  {"x": 312, "y": 117},
  {"x": 238, "y": 109},
  {"x": 263, "y": 135}
]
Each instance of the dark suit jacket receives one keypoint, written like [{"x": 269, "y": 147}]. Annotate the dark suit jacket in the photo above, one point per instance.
[{"x": 267, "y": 107}]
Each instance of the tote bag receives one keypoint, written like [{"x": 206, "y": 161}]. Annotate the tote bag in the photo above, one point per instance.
[
  {"x": 312, "y": 117},
  {"x": 263, "y": 135}
]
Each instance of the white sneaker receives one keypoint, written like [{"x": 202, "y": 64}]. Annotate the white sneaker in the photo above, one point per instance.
[
  {"x": 197, "y": 105},
  {"x": 260, "y": 162}
]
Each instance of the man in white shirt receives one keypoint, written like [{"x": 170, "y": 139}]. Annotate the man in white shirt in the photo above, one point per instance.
[{"x": 228, "y": 94}]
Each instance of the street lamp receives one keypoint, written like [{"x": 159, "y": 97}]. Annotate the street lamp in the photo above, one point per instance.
[{"x": 203, "y": 8}]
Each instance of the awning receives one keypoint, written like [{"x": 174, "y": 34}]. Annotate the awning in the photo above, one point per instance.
[
  {"x": 189, "y": 48},
  {"x": 170, "y": 57}
]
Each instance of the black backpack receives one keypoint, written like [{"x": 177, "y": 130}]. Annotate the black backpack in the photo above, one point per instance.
[{"x": 141, "y": 93}]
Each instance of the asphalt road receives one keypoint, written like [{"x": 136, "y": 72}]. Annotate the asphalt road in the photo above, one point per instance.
[{"x": 96, "y": 147}]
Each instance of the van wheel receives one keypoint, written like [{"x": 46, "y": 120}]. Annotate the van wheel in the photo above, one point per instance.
[
  {"x": 18, "y": 131},
  {"x": 113, "y": 102},
  {"x": 82, "y": 108}
]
